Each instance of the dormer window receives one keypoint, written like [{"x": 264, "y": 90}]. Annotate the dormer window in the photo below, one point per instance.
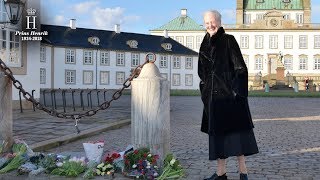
[
  {"x": 260, "y": 1},
  {"x": 94, "y": 40},
  {"x": 133, "y": 43},
  {"x": 166, "y": 46},
  {"x": 286, "y": 1}
]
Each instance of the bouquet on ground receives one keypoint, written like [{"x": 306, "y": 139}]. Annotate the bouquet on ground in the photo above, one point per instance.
[
  {"x": 71, "y": 167},
  {"x": 94, "y": 150},
  {"x": 141, "y": 164},
  {"x": 172, "y": 168}
]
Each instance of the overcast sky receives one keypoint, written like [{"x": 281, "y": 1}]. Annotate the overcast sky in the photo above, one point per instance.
[{"x": 137, "y": 16}]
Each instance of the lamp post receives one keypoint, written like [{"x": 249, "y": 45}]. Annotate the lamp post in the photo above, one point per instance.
[{"x": 14, "y": 10}]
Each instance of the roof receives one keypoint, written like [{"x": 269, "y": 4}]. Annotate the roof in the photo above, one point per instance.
[
  {"x": 180, "y": 24},
  {"x": 65, "y": 36},
  {"x": 272, "y": 4}
]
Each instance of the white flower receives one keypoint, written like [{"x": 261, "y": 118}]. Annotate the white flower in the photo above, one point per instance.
[
  {"x": 148, "y": 167},
  {"x": 134, "y": 166},
  {"x": 155, "y": 174},
  {"x": 156, "y": 167},
  {"x": 172, "y": 162},
  {"x": 148, "y": 164},
  {"x": 149, "y": 155},
  {"x": 59, "y": 164}
]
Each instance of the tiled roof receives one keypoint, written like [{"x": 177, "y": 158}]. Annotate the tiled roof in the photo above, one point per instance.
[
  {"x": 180, "y": 24},
  {"x": 110, "y": 40},
  {"x": 272, "y": 4}
]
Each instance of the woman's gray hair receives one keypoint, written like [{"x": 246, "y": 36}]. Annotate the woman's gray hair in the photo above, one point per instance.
[{"x": 215, "y": 13}]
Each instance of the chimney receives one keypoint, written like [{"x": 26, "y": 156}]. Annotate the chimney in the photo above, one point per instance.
[
  {"x": 72, "y": 23},
  {"x": 165, "y": 33},
  {"x": 183, "y": 12},
  {"x": 117, "y": 28}
]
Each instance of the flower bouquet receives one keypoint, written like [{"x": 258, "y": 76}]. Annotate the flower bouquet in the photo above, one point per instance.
[
  {"x": 172, "y": 168},
  {"x": 141, "y": 164},
  {"x": 72, "y": 167},
  {"x": 94, "y": 150},
  {"x": 15, "y": 159}
]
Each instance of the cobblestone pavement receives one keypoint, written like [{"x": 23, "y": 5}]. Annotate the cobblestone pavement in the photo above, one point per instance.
[{"x": 286, "y": 129}]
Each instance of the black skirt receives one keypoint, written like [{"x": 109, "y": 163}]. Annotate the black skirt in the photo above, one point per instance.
[{"x": 232, "y": 144}]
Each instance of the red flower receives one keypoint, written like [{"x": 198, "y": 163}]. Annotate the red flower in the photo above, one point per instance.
[
  {"x": 126, "y": 162},
  {"x": 136, "y": 151},
  {"x": 145, "y": 155}
]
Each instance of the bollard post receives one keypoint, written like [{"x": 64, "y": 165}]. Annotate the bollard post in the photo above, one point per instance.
[
  {"x": 266, "y": 88},
  {"x": 32, "y": 92},
  {"x": 72, "y": 94},
  {"x": 20, "y": 100},
  {"x": 6, "y": 123},
  {"x": 150, "y": 111},
  {"x": 98, "y": 97}
]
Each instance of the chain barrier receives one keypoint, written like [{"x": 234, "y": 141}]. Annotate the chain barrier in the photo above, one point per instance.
[{"x": 75, "y": 116}]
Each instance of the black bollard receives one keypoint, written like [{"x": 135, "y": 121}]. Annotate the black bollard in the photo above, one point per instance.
[
  {"x": 98, "y": 97},
  {"x": 32, "y": 92},
  {"x": 63, "y": 94},
  {"x": 81, "y": 99},
  {"x": 72, "y": 93},
  {"x": 20, "y": 101}
]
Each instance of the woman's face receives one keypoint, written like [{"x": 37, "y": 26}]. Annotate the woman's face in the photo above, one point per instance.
[{"x": 211, "y": 24}]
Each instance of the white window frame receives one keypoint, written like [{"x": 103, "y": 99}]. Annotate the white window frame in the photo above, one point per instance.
[
  {"x": 316, "y": 63},
  {"x": 87, "y": 77},
  {"x": 135, "y": 59},
  {"x": 180, "y": 39},
  {"x": 43, "y": 53},
  {"x": 258, "y": 63},
  {"x": 104, "y": 77},
  {"x": 303, "y": 62},
  {"x": 120, "y": 77},
  {"x": 316, "y": 41},
  {"x": 70, "y": 56},
  {"x": 176, "y": 81},
  {"x": 299, "y": 18},
  {"x": 244, "y": 42},
  {"x": 189, "y": 42},
  {"x": 87, "y": 57},
  {"x": 259, "y": 16},
  {"x": 189, "y": 63},
  {"x": 104, "y": 58},
  {"x": 163, "y": 61},
  {"x": 120, "y": 56},
  {"x": 176, "y": 62},
  {"x": 303, "y": 41},
  {"x": 287, "y": 62},
  {"x": 247, "y": 19},
  {"x": 258, "y": 41},
  {"x": 189, "y": 79},
  {"x": 198, "y": 41},
  {"x": 70, "y": 76},
  {"x": 273, "y": 41},
  {"x": 288, "y": 41},
  {"x": 286, "y": 16},
  {"x": 43, "y": 76},
  {"x": 10, "y": 47}
]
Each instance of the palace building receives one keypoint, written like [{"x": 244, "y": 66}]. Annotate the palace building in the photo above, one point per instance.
[{"x": 268, "y": 32}]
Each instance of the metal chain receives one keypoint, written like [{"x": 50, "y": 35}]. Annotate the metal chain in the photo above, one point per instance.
[{"x": 76, "y": 116}]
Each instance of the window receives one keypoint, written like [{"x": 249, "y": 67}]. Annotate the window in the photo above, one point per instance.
[
  {"x": 176, "y": 79},
  {"x": 133, "y": 43},
  {"x": 317, "y": 62},
  {"x": 246, "y": 60},
  {"x": 259, "y": 16},
  {"x": 135, "y": 59},
  {"x": 14, "y": 54},
  {"x": 258, "y": 63},
  {"x": 104, "y": 58},
  {"x": 288, "y": 42},
  {"x": 189, "y": 42},
  {"x": 176, "y": 62},
  {"x": 120, "y": 59},
  {"x": 3, "y": 14},
  {"x": 43, "y": 76},
  {"x": 303, "y": 62},
  {"x": 198, "y": 41},
  {"x": 244, "y": 41},
  {"x": 247, "y": 19},
  {"x": 163, "y": 61},
  {"x": 119, "y": 78},
  {"x": 273, "y": 42},
  {"x": 259, "y": 42},
  {"x": 42, "y": 54},
  {"x": 189, "y": 79},
  {"x": 87, "y": 57},
  {"x": 104, "y": 77},
  {"x": 303, "y": 42},
  {"x": 164, "y": 75},
  {"x": 299, "y": 18},
  {"x": 179, "y": 39},
  {"x": 151, "y": 57},
  {"x": 189, "y": 63},
  {"x": 286, "y": 16},
  {"x": 87, "y": 77},
  {"x": 287, "y": 62},
  {"x": 94, "y": 40},
  {"x": 70, "y": 56},
  {"x": 317, "y": 41},
  {"x": 70, "y": 76}
]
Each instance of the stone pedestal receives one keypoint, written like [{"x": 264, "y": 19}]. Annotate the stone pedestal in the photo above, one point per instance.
[
  {"x": 6, "y": 123},
  {"x": 150, "y": 111},
  {"x": 280, "y": 73}
]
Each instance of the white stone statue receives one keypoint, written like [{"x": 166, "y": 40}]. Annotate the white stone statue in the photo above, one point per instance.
[{"x": 280, "y": 62}]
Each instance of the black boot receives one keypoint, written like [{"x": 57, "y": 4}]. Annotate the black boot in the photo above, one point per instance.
[
  {"x": 216, "y": 177},
  {"x": 243, "y": 176}
]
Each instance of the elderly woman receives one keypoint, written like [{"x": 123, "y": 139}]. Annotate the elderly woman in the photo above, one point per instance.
[{"x": 224, "y": 90}]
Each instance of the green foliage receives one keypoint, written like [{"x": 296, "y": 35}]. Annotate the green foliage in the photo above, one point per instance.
[
  {"x": 17, "y": 161},
  {"x": 69, "y": 168},
  {"x": 172, "y": 168},
  {"x": 48, "y": 162}
]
